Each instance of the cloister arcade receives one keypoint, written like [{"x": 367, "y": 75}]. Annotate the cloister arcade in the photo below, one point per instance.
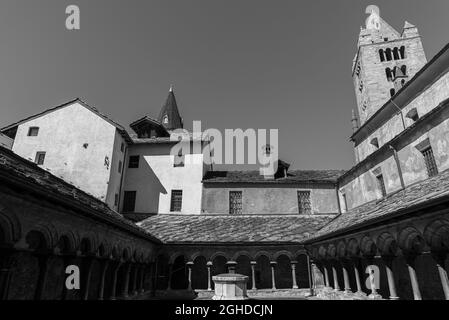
[
  {"x": 411, "y": 258},
  {"x": 266, "y": 268}
]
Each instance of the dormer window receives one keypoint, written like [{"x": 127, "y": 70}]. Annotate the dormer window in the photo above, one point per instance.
[
  {"x": 413, "y": 115},
  {"x": 165, "y": 120},
  {"x": 33, "y": 131},
  {"x": 375, "y": 143}
]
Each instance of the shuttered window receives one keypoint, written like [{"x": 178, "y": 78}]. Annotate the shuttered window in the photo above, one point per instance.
[
  {"x": 235, "y": 202},
  {"x": 304, "y": 204},
  {"x": 176, "y": 201}
]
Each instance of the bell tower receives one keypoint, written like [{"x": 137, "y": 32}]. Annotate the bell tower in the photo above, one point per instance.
[{"x": 384, "y": 62}]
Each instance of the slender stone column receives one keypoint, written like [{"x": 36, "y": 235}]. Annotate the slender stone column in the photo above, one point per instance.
[
  {"x": 253, "y": 274},
  {"x": 372, "y": 279},
  {"x": 209, "y": 285},
  {"x": 102, "y": 279},
  {"x": 170, "y": 271},
  {"x": 390, "y": 277},
  {"x": 89, "y": 263},
  {"x": 326, "y": 276},
  {"x": 126, "y": 281},
  {"x": 114, "y": 281},
  {"x": 355, "y": 263},
  {"x": 293, "y": 264},
  {"x": 273, "y": 278},
  {"x": 42, "y": 277},
  {"x": 142, "y": 279},
  {"x": 189, "y": 266},
  {"x": 335, "y": 276},
  {"x": 136, "y": 272},
  {"x": 440, "y": 258},
  {"x": 410, "y": 261},
  {"x": 346, "y": 277}
]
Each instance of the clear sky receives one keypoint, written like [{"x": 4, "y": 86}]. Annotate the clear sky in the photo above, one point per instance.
[{"x": 281, "y": 64}]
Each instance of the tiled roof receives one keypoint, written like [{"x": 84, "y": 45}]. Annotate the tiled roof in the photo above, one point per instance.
[
  {"x": 233, "y": 228},
  {"x": 14, "y": 168},
  {"x": 401, "y": 202},
  {"x": 294, "y": 176}
]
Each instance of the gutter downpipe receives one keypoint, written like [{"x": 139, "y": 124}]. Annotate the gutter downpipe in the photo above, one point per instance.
[{"x": 396, "y": 159}]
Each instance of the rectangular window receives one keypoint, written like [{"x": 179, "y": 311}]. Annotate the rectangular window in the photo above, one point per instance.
[
  {"x": 120, "y": 164},
  {"x": 33, "y": 131},
  {"x": 304, "y": 203},
  {"x": 40, "y": 158},
  {"x": 133, "y": 162},
  {"x": 432, "y": 169},
  {"x": 129, "y": 201},
  {"x": 176, "y": 201},
  {"x": 381, "y": 184},
  {"x": 235, "y": 202}
]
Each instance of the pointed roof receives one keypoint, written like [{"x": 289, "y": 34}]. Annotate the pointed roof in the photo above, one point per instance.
[{"x": 169, "y": 115}]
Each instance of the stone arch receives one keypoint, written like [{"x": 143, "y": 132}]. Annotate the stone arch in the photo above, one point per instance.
[
  {"x": 10, "y": 227},
  {"x": 48, "y": 232},
  {"x": 199, "y": 271},
  {"x": 217, "y": 254},
  {"x": 285, "y": 253},
  {"x": 387, "y": 244},
  {"x": 368, "y": 246},
  {"x": 304, "y": 252},
  {"x": 263, "y": 253},
  {"x": 411, "y": 241},
  {"x": 331, "y": 251},
  {"x": 388, "y": 54},
  {"x": 436, "y": 234},
  {"x": 37, "y": 241},
  {"x": 86, "y": 247},
  {"x": 126, "y": 254},
  {"x": 241, "y": 253},
  {"x": 174, "y": 256},
  {"x": 195, "y": 255},
  {"x": 116, "y": 252},
  {"x": 341, "y": 249},
  {"x": 322, "y": 252},
  {"x": 396, "y": 53}
]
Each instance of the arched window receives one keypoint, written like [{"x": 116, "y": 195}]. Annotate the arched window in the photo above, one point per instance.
[
  {"x": 404, "y": 70},
  {"x": 381, "y": 55},
  {"x": 388, "y": 54},
  {"x": 392, "y": 92},
  {"x": 389, "y": 74},
  {"x": 396, "y": 54},
  {"x": 402, "y": 82},
  {"x": 402, "y": 52}
]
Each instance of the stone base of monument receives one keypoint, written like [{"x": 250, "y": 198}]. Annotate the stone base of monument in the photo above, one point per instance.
[{"x": 230, "y": 286}]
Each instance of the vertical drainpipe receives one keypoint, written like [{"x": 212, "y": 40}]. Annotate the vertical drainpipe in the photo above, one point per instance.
[{"x": 398, "y": 164}]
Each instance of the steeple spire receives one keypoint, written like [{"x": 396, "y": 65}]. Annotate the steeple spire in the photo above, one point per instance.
[{"x": 169, "y": 115}]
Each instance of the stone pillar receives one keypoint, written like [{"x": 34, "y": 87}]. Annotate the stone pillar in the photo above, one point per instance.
[
  {"x": 209, "y": 285},
  {"x": 88, "y": 266},
  {"x": 114, "y": 281},
  {"x": 335, "y": 276},
  {"x": 142, "y": 279},
  {"x": 6, "y": 265},
  {"x": 374, "y": 295},
  {"x": 355, "y": 263},
  {"x": 102, "y": 279},
  {"x": 326, "y": 276},
  {"x": 42, "y": 277},
  {"x": 170, "y": 271},
  {"x": 136, "y": 272},
  {"x": 410, "y": 261},
  {"x": 231, "y": 266},
  {"x": 273, "y": 278},
  {"x": 253, "y": 274},
  {"x": 390, "y": 277},
  {"x": 126, "y": 280},
  {"x": 346, "y": 277},
  {"x": 189, "y": 266},
  {"x": 440, "y": 258},
  {"x": 293, "y": 264}
]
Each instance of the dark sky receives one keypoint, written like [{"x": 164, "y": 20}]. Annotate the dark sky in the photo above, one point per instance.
[{"x": 234, "y": 64}]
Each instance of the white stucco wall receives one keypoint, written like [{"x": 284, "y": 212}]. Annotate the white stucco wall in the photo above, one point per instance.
[
  {"x": 156, "y": 177},
  {"x": 62, "y": 134},
  {"x": 5, "y": 141}
]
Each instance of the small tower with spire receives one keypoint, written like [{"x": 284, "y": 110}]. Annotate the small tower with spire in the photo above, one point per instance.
[
  {"x": 384, "y": 61},
  {"x": 169, "y": 116}
]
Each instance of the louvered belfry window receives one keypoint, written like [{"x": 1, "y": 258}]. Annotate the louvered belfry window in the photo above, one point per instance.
[
  {"x": 431, "y": 165},
  {"x": 235, "y": 202},
  {"x": 304, "y": 203},
  {"x": 176, "y": 201}
]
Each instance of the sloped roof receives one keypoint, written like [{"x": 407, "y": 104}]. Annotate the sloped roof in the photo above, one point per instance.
[
  {"x": 170, "y": 109},
  {"x": 15, "y": 169},
  {"x": 294, "y": 176},
  {"x": 419, "y": 194},
  {"x": 216, "y": 229},
  {"x": 120, "y": 128}
]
